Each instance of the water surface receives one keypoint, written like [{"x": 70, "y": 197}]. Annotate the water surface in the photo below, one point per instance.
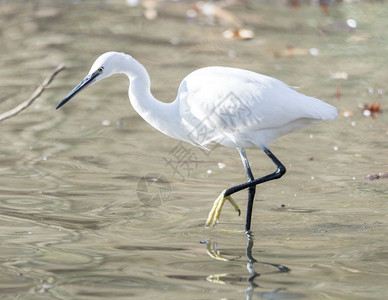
[{"x": 79, "y": 216}]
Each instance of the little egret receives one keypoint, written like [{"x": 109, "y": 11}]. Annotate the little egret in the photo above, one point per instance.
[{"x": 229, "y": 106}]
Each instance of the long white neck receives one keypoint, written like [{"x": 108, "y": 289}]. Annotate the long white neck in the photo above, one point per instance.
[{"x": 160, "y": 115}]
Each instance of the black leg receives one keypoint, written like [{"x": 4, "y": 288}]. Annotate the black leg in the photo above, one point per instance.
[
  {"x": 251, "y": 198},
  {"x": 252, "y": 182},
  {"x": 251, "y": 190}
]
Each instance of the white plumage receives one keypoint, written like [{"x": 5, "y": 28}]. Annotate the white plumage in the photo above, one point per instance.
[
  {"x": 233, "y": 107},
  {"x": 244, "y": 109}
]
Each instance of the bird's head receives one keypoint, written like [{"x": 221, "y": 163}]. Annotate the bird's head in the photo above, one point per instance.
[{"x": 104, "y": 66}]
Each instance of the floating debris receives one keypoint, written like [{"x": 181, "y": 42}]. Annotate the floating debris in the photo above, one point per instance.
[
  {"x": 215, "y": 12},
  {"x": 347, "y": 113},
  {"x": 338, "y": 92},
  {"x": 377, "y": 176},
  {"x": 371, "y": 110},
  {"x": 221, "y": 165},
  {"x": 238, "y": 34},
  {"x": 150, "y": 7},
  {"x": 348, "y": 25},
  {"x": 290, "y": 51},
  {"x": 339, "y": 75}
]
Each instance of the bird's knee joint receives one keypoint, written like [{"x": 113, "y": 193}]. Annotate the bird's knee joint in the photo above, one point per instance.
[{"x": 281, "y": 170}]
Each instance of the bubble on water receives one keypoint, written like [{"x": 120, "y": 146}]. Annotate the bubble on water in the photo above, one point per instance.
[
  {"x": 221, "y": 165},
  {"x": 351, "y": 23},
  {"x": 347, "y": 114},
  {"x": 314, "y": 51},
  {"x": 132, "y": 2},
  {"x": 367, "y": 113}
]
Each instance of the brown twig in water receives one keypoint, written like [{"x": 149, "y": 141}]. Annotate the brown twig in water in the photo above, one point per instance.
[{"x": 34, "y": 96}]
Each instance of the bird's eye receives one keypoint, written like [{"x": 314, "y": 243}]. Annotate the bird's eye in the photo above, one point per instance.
[{"x": 100, "y": 69}]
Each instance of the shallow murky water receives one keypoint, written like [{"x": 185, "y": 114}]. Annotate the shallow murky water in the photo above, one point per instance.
[{"x": 81, "y": 216}]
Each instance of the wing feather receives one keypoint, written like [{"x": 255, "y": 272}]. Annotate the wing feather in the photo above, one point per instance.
[{"x": 224, "y": 105}]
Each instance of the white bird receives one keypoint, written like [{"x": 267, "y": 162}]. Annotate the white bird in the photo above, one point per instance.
[{"x": 232, "y": 107}]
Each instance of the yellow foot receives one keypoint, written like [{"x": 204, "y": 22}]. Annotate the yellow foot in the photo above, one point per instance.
[
  {"x": 216, "y": 278},
  {"x": 215, "y": 212},
  {"x": 213, "y": 253}
]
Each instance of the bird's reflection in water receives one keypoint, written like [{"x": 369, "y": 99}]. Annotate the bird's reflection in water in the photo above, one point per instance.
[{"x": 278, "y": 293}]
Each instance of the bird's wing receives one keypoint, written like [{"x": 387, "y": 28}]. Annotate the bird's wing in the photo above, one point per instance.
[{"x": 218, "y": 101}]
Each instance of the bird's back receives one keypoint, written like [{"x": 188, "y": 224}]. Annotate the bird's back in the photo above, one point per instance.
[{"x": 237, "y": 107}]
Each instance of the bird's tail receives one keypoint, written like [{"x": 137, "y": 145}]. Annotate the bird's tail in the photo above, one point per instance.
[{"x": 323, "y": 110}]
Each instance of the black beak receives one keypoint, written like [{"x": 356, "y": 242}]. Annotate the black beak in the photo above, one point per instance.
[{"x": 84, "y": 83}]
